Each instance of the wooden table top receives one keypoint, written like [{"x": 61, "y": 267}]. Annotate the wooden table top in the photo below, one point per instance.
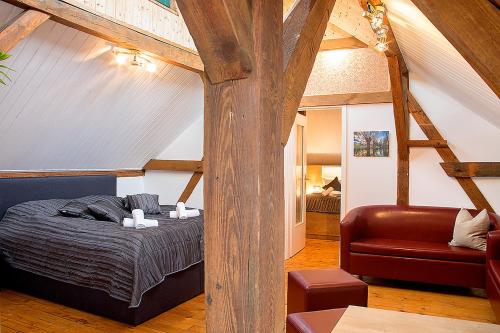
[{"x": 369, "y": 320}]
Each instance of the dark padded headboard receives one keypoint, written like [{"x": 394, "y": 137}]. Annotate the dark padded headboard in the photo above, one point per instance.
[{"x": 17, "y": 190}]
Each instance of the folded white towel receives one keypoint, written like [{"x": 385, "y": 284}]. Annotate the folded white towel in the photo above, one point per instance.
[
  {"x": 181, "y": 211},
  {"x": 189, "y": 212},
  {"x": 145, "y": 223},
  {"x": 327, "y": 191}
]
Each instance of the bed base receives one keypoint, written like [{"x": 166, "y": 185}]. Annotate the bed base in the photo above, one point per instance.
[{"x": 174, "y": 290}]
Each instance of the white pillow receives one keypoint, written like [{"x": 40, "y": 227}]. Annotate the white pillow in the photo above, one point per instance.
[
  {"x": 334, "y": 193},
  {"x": 327, "y": 191},
  {"x": 471, "y": 232}
]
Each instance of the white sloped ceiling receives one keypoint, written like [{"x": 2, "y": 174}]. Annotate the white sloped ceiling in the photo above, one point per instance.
[
  {"x": 428, "y": 54},
  {"x": 70, "y": 106}
]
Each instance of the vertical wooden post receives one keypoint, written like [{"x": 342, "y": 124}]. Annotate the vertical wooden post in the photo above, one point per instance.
[
  {"x": 243, "y": 189},
  {"x": 399, "y": 85}
]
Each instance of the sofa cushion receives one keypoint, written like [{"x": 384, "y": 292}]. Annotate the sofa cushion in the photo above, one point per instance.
[
  {"x": 494, "y": 268},
  {"x": 417, "y": 249}
]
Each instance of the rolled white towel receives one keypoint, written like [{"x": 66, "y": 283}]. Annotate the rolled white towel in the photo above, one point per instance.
[
  {"x": 334, "y": 193},
  {"x": 138, "y": 216},
  {"x": 128, "y": 222},
  {"x": 146, "y": 223},
  {"x": 181, "y": 211},
  {"x": 327, "y": 191},
  {"x": 189, "y": 212}
]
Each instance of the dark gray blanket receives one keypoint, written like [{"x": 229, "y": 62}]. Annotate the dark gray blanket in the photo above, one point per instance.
[{"x": 124, "y": 262}]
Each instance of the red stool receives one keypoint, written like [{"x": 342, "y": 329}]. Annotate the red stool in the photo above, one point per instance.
[
  {"x": 313, "y": 322},
  {"x": 323, "y": 289}
]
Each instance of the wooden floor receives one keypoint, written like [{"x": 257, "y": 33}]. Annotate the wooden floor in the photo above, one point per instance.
[{"x": 22, "y": 313}]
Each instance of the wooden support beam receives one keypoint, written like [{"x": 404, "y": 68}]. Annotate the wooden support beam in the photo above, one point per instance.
[
  {"x": 399, "y": 84},
  {"x": 174, "y": 165},
  {"x": 191, "y": 185},
  {"x": 447, "y": 154},
  {"x": 303, "y": 31},
  {"x": 70, "y": 173},
  {"x": 472, "y": 169},
  {"x": 342, "y": 43},
  {"x": 244, "y": 202},
  {"x": 20, "y": 27},
  {"x": 346, "y": 99},
  {"x": 224, "y": 42},
  {"x": 473, "y": 28},
  {"x": 114, "y": 32},
  {"x": 428, "y": 143}
]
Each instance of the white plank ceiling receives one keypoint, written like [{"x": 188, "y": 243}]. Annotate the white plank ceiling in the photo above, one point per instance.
[
  {"x": 429, "y": 55},
  {"x": 70, "y": 106}
]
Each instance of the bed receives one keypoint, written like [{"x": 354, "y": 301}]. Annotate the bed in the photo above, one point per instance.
[
  {"x": 125, "y": 274},
  {"x": 316, "y": 202},
  {"x": 323, "y": 216}
]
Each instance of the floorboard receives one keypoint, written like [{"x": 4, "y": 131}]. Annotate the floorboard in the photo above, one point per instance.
[{"x": 25, "y": 314}]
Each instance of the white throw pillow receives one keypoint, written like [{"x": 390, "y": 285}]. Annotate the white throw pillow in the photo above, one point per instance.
[
  {"x": 471, "y": 232},
  {"x": 327, "y": 191}
]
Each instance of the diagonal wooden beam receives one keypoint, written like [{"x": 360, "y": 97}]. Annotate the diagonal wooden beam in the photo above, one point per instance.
[
  {"x": 473, "y": 28},
  {"x": 302, "y": 34},
  {"x": 191, "y": 185},
  {"x": 467, "y": 184},
  {"x": 342, "y": 43},
  {"x": 20, "y": 27},
  {"x": 399, "y": 87},
  {"x": 114, "y": 32},
  {"x": 222, "y": 39}
]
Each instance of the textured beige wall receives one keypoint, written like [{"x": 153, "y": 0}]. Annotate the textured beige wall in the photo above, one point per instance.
[
  {"x": 324, "y": 127},
  {"x": 348, "y": 71}
]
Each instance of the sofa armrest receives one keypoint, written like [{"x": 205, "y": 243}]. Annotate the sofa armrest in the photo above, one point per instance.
[
  {"x": 351, "y": 229},
  {"x": 493, "y": 246}
]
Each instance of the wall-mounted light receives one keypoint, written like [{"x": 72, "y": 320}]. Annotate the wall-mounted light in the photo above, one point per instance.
[
  {"x": 134, "y": 58},
  {"x": 375, "y": 14}
]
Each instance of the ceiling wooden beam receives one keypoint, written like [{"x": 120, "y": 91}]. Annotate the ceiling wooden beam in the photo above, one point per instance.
[
  {"x": 447, "y": 155},
  {"x": 472, "y": 169},
  {"x": 399, "y": 86},
  {"x": 223, "y": 41},
  {"x": 114, "y": 32},
  {"x": 303, "y": 29},
  {"x": 20, "y": 27},
  {"x": 341, "y": 43},
  {"x": 174, "y": 165},
  {"x": 473, "y": 28},
  {"x": 428, "y": 143},
  {"x": 244, "y": 202},
  {"x": 346, "y": 99}
]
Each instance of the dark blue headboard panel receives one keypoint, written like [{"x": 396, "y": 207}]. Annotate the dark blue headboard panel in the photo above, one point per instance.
[{"x": 17, "y": 190}]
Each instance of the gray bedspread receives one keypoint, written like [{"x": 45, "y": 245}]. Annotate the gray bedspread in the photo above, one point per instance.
[{"x": 124, "y": 262}]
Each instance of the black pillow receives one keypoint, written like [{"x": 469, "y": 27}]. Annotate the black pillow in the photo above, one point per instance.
[
  {"x": 147, "y": 202},
  {"x": 107, "y": 211},
  {"x": 334, "y": 183},
  {"x": 76, "y": 209}
]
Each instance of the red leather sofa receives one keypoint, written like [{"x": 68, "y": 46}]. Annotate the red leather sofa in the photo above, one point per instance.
[
  {"x": 411, "y": 243},
  {"x": 493, "y": 271}
]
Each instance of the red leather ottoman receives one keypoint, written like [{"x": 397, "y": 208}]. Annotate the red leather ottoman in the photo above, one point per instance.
[
  {"x": 323, "y": 289},
  {"x": 313, "y": 322}
]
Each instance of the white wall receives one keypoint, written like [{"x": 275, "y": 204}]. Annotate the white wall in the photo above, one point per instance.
[
  {"x": 170, "y": 184},
  {"x": 324, "y": 127},
  {"x": 373, "y": 180},
  {"x": 129, "y": 185},
  {"x": 368, "y": 180}
]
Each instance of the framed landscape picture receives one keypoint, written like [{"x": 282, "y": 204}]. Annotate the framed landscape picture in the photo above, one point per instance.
[{"x": 371, "y": 144}]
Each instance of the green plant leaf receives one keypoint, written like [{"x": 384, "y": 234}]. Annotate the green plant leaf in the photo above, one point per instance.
[{"x": 4, "y": 56}]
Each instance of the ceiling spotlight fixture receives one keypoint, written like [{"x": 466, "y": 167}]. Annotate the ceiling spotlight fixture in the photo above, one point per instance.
[
  {"x": 134, "y": 58},
  {"x": 375, "y": 14}
]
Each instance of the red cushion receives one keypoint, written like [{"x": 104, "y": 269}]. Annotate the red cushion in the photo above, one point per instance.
[
  {"x": 417, "y": 249},
  {"x": 495, "y": 270},
  {"x": 314, "y": 322}
]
